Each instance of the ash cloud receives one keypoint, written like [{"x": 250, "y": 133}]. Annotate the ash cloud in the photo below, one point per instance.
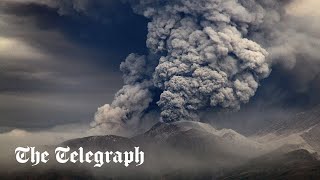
[
  {"x": 132, "y": 100},
  {"x": 207, "y": 60},
  {"x": 205, "y": 55},
  {"x": 215, "y": 53}
]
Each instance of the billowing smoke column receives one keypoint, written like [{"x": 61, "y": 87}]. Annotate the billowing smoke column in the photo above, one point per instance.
[
  {"x": 206, "y": 60},
  {"x": 132, "y": 100}
]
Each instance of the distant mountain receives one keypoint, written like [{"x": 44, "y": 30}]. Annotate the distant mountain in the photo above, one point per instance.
[
  {"x": 109, "y": 142},
  {"x": 302, "y": 121},
  {"x": 302, "y": 131},
  {"x": 190, "y": 137},
  {"x": 312, "y": 137}
]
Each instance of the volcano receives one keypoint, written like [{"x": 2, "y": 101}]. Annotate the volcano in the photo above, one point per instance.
[{"x": 191, "y": 150}]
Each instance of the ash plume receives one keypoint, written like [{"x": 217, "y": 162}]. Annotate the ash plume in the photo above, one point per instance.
[
  {"x": 132, "y": 100},
  {"x": 206, "y": 60}
]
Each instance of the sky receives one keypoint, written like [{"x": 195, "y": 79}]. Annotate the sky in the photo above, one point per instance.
[
  {"x": 58, "y": 69},
  {"x": 57, "y": 65}
]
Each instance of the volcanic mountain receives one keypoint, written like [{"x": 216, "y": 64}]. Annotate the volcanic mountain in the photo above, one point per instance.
[
  {"x": 303, "y": 130},
  {"x": 190, "y": 150}
]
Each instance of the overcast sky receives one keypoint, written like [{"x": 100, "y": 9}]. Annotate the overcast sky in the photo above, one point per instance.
[{"x": 58, "y": 66}]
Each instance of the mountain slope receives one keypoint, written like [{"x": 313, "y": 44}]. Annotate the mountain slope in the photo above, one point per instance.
[
  {"x": 299, "y": 164},
  {"x": 302, "y": 131},
  {"x": 300, "y": 122}
]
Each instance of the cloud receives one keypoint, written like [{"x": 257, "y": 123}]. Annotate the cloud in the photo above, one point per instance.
[
  {"x": 56, "y": 68},
  {"x": 14, "y": 49},
  {"x": 305, "y": 8}
]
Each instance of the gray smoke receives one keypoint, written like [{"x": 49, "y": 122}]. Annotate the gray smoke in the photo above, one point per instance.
[
  {"x": 127, "y": 108},
  {"x": 206, "y": 60},
  {"x": 294, "y": 43}
]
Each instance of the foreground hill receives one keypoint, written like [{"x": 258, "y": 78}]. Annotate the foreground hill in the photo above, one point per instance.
[{"x": 299, "y": 164}]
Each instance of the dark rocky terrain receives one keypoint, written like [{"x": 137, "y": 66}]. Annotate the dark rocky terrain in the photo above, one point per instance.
[{"x": 299, "y": 164}]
